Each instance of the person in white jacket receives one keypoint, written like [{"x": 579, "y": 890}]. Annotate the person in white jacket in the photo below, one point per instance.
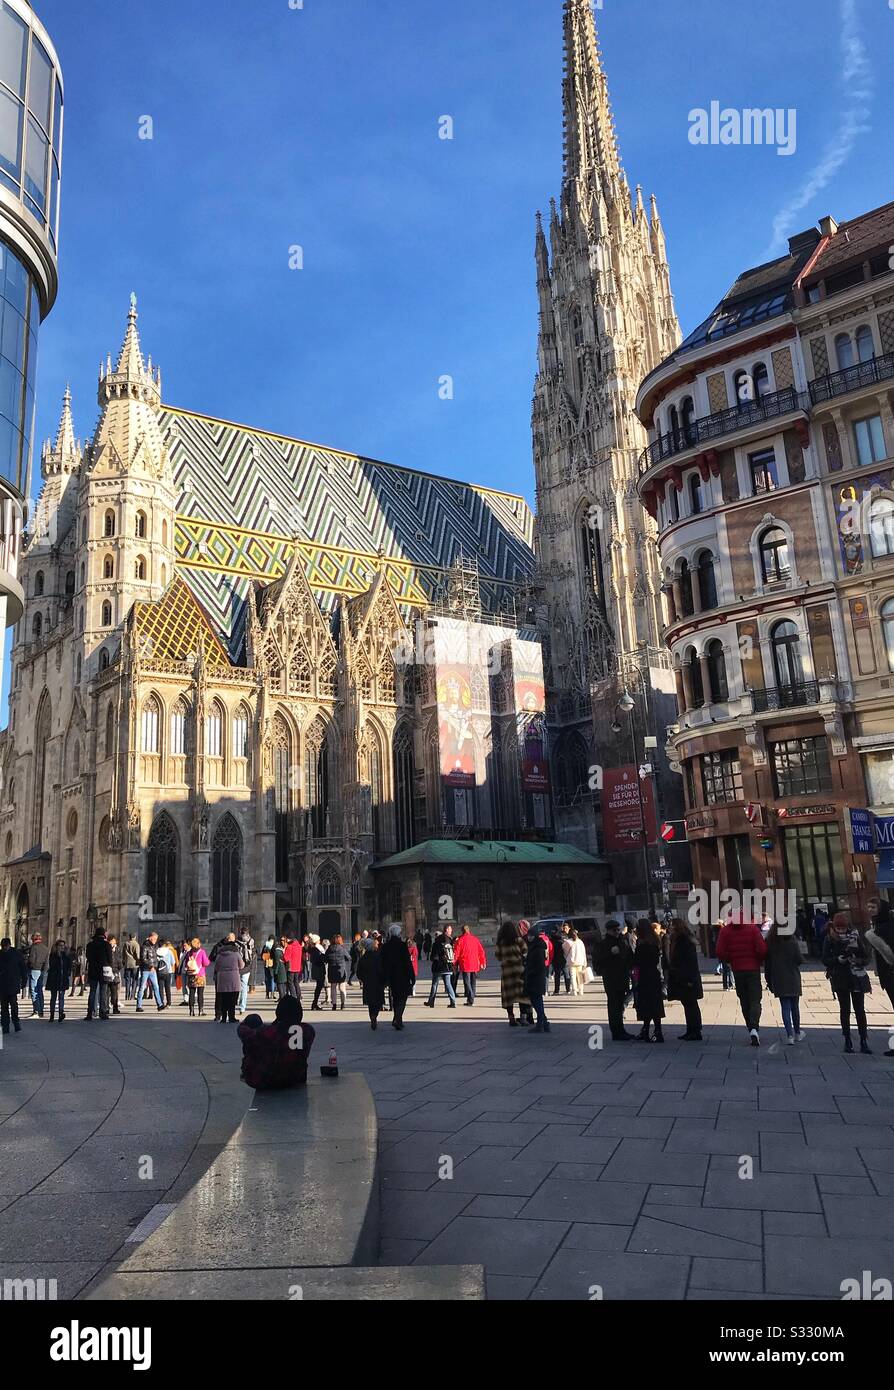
[{"x": 576, "y": 960}]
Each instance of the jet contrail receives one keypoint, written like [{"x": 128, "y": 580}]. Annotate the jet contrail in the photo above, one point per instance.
[{"x": 857, "y": 84}]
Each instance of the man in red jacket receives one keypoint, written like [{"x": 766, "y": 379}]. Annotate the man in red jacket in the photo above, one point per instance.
[
  {"x": 293, "y": 955},
  {"x": 468, "y": 959},
  {"x": 742, "y": 947}
]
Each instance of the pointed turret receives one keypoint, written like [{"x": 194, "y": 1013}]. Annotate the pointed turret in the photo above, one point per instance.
[
  {"x": 128, "y": 437},
  {"x": 65, "y": 455},
  {"x": 590, "y": 143},
  {"x": 130, "y": 377}
]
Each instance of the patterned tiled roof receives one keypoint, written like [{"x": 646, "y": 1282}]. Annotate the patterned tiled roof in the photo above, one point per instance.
[
  {"x": 247, "y": 497},
  {"x": 174, "y": 624}
]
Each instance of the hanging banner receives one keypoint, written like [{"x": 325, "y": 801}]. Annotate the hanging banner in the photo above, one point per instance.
[
  {"x": 622, "y": 821},
  {"x": 530, "y": 714}
]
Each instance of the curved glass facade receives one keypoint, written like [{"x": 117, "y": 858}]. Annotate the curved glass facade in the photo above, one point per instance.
[
  {"x": 19, "y": 322},
  {"x": 30, "y": 119}
]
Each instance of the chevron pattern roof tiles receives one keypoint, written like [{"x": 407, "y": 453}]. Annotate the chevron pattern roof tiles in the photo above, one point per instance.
[{"x": 247, "y": 496}]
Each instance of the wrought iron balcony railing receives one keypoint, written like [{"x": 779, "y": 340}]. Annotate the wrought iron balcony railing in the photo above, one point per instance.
[
  {"x": 786, "y": 696},
  {"x": 826, "y": 388},
  {"x": 711, "y": 427}
]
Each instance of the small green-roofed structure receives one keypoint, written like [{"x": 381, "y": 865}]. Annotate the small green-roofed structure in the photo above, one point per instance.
[{"x": 487, "y": 852}]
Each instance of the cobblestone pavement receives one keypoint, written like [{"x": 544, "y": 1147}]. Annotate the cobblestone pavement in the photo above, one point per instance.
[{"x": 677, "y": 1171}]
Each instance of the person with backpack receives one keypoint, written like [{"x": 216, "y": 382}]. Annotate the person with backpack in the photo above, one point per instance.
[
  {"x": 742, "y": 946},
  {"x": 275, "y": 1055},
  {"x": 246, "y": 943},
  {"x": 58, "y": 978},
  {"x": 845, "y": 957},
  {"x": 782, "y": 971},
  {"x": 338, "y": 967},
  {"x": 468, "y": 959},
  {"x": 442, "y": 963}
]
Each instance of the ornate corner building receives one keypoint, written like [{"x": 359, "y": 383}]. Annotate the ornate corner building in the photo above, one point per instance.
[
  {"x": 607, "y": 319},
  {"x": 769, "y": 474}
]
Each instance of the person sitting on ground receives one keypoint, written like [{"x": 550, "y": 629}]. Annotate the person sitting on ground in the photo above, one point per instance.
[{"x": 275, "y": 1055}]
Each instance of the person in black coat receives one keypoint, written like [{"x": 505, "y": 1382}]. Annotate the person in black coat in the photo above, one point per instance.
[
  {"x": 845, "y": 956},
  {"x": 537, "y": 979},
  {"x": 338, "y": 968},
  {"x": 58, "y": 978},
  {"x": 684, "y": 979},
  {"x": 883, "y": 930},
  {"x": 613, "y": 960},
  {"x": 400, "y": 977},
  {"x": 13, "y": 975},
  {"x": 371, "y": 974},
  {"x": 99, "y": 960},
  {"x": 649, "y": 995}
]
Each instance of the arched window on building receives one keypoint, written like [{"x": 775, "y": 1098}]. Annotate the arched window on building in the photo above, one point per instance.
[
  {"x": 687, "y": 419},
  {"x": 214, "y": 727},
  {"x": 317, "y": 777},
  {"x": 103, "y": 659},
  {"x": 865, "y": 344},
  {"x": 241, "y": 726},
  {"x": 776, "y": 564},
  {"x": 179, "y": 715},
  {"x": 108, "y": 567},
  {"x": 686, "y": 589},
  {"x": 84, "y": 531},
  {"x": 707, "y": 581},
  {"x": 785, "y": 641},
  {"x": 591, "y": 553},
  {"x": 887, "y": 617},
  {"x": 282, "y": 794},
  {"x": 696, "y": 500},
  {"x": 150, "y": 721},
  {"x": 695, "y": 677},
  {"x": 226, "y": 866},
  {"x": 164, "y": 533},
  {"x": 42, "y": 730},
  {"x": 108, "y": 528},
  {"x": 140, "y": 528},
  {"x": 328, "y": 891},
  {"x": 717, "y": 672},
  {"x": 161, "y": 866},
  {"x": 139, "y": 569},
  {"x": 36, "y": 627},
  {"x": 69, "y": 584},
  {"x": 844, "y": 351},
  {"x": 577, "y": 327},
  {"x": 404, "y": 786},
  {"x": 743, "y": 388},
  {"x": 761, "y": 379},
  {"x": 38, "y": 584},
  {"x": 110, "y": 729},
  {"x": 106, "y": 618},
  {"x": 881, "y": 527}
]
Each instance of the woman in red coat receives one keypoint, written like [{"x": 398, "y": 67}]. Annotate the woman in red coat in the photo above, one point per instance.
[
  {"x": 414, "y": 961},
  {"x": 468, "y": 959}
]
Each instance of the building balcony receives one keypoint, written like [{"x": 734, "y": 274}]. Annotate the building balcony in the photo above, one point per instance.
[
  {"x": 786, "y": 697},
  {"x": 713, "y": 427},
  {"x": 878, "y": 369}
]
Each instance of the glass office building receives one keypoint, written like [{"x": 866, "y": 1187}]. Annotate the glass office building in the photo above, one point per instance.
[{"x": 31, "y": 119}]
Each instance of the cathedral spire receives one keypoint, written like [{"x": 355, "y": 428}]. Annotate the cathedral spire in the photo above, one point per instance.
[
  {"x": 590, "y": 144},
  {"x": 130, "y": 376},
  {"x": 65, "y": 454}
]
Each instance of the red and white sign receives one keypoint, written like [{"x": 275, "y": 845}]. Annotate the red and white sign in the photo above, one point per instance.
[
  {"x": 751, "y": 812},
  {"x": 667, "y": 831}
]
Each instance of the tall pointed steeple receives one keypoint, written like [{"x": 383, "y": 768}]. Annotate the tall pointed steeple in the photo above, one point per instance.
[
  {"x": 591, "y": 147},
  {"x": 128, "y": 434},
  {"x": 65, "y": 455}
]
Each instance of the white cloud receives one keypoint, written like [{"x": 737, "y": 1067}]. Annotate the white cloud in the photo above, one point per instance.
[{"x": 857, "y": 84}]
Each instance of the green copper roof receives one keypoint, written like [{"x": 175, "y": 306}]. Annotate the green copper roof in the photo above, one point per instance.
[{"x": 487, "y": 852}]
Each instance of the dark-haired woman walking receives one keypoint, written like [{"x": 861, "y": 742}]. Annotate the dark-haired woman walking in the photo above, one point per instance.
[
  {"x": 649, "y": 994},
  {"x": 684, "y": 979},
  {"x": 845, "y": 958}
]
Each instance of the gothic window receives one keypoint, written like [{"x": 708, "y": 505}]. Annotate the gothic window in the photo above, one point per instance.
[
  {"x": 42, "y": 728},
  {"x": 150, "y": 726},
  {"x": 179, "y": 716},
  {"x": 164, "y": 533},
  {"x": 707, "y": 581},
  {"x": 36, "y": 626},
  {"x": 366, "y": 687},
  {"x": 69, "y": 584},
  {"x": 108, "y": 567},
  {"x": 140, "y": 568},
  {"x": 241, "y": 725},
  {"x": 774, "y": 552},
  {"x": 717, "y": 672},
  {"x": 161, "y": 866},
  {"x": 577, "y": 327},
  {"x": 594, "y": 579},
  {"x": 106, "y": 617},
  {"x": 164, "y": 576},
  {"x": 377, "y": 794},
  {"x": 327, "y": 677},
  {"x": 328, "y": 887},
  {"x": 76, "y": 761},
  {"x": 38, "y": 584},
  {"x": 214, "y": 724},
  {"x": 317, "y": 778},
  {"x": 109, "y": 523},
  {"x": 226, "y": 866},
  {"x": 140, "y": 529},
  {"x": 387, "y": 691},
  {"x": 84, "y": 531},
  {"x": 110, "y": 729},
  {"x": 103, "y": 659},
  {"x": 404, "y": 786},
  {"x": 282, "y": 794},
  {"x": 300, "y": 675}
]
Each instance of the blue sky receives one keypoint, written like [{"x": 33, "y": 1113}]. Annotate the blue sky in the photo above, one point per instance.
[{"x": 319, "y": 127}]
